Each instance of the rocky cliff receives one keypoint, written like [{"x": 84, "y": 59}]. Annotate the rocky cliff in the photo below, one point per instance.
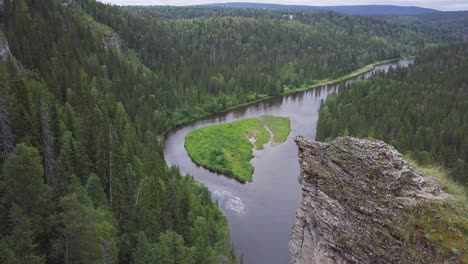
[{"x": 357, "y": 200}]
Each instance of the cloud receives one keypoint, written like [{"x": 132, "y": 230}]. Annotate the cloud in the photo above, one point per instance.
[{"x": 445, "y": 5}]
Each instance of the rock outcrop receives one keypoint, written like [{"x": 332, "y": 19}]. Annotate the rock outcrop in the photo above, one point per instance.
[
  {"x": 66, "y": 2},
  {"x": 112, "y": 41},
  {"x": 356, "y": 197},
  {"x": 5, "y": 54}
]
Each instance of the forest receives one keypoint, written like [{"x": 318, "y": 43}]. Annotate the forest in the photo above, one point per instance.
[
  {"x": 452, "y": 24},
  {"x": 244, "y": 55},
  {"x": 422, "y": 110},
  {"x": 80, "y": 182},
  {"x": 87, "y": 91}
]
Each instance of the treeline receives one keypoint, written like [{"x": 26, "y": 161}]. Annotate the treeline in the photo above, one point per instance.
[
  {"x": 208, "y": 62},
  {"x": 81, "y": 181},
  {"x": 421, "y": 110},
  {"x": 442, "y": 24}
]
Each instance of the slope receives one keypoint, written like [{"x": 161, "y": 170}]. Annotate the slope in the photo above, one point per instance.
[{"x": 81, "y": 181}]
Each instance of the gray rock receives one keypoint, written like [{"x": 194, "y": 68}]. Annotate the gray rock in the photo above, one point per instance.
[
  {"x": 355, "y": 193},
  {"x": 66, "y": 2},
  {"x": 5, "y": 54},
  {"x": 112, "y": 41}
]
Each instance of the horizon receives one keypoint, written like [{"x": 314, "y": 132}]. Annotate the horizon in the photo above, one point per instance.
[{"x": 439, "y": 5}]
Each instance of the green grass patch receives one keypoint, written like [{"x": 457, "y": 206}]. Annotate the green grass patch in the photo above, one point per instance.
[
  {"x": 443, "y": 224},
  {"x": 279, "y": 126},
  {"x": 228, "y": 148}
]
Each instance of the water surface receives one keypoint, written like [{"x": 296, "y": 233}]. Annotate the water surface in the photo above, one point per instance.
[{"x": 261, "y": 213}]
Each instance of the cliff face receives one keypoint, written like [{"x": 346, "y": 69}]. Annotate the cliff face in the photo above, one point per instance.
[
  {"x": 357, "y": 195},
  {"x": 5, "y": 54}
]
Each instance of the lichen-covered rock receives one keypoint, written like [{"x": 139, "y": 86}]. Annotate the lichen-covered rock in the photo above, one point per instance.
[
  {"x": 66, "y": 2},
  {"x": 112, "y": 41},
  {"x": 356, "y": 196}
]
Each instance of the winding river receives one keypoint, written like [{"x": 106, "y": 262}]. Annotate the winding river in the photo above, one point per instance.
[{"x": 261, "y": 213}]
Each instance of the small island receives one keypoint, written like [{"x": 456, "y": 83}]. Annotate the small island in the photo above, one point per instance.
[{"x": 228, "y": 148}]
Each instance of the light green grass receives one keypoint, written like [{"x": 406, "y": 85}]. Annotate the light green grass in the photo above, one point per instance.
[
  {"x": 226, "y": 148},
  {"x": 279, "y": 126}
]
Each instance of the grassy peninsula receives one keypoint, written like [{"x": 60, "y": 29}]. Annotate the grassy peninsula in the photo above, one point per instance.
[{"x": 228, "y": 148}]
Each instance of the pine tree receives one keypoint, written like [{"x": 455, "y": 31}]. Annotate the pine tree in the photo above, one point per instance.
[
  {"x": 96, "y": 192},
  {"x": 23, "y": 185},
  {"x": 77, "y": 240},
  {"x": 171, "y": 249},
  {"x": 21, "y": 239}
]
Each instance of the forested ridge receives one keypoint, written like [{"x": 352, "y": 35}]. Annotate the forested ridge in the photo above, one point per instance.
[
  {"x": 216, "y": 58},
  {"x": 421, "y": 110},
  {"x": 80, "y": 182},
  {"x": 443, "y": 24},
  {"x": 86, "y": 92}
]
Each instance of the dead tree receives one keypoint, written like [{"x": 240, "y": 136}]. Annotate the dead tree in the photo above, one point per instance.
[
  {"x": 47, "y": 145},
  {"x": 7, "y": 138}
]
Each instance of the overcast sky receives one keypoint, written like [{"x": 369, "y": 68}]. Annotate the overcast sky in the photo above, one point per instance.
[{"x": 436, "y": 4}]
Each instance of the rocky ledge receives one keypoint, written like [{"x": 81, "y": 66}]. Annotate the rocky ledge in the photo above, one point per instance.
[{"x": 356, "y": 197}]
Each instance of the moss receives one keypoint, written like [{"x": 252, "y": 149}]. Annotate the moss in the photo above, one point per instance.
[{"x": 441, "y": 225}]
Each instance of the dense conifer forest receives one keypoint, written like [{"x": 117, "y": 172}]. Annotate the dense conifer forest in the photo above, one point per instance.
[
  {"x": 88, "y": 89},
  {"x": 421, "y": 110},
  {"x": 444, "y": 24},
  {"x": 80, "y": 181},
  {"x": 243, "y": 55}
]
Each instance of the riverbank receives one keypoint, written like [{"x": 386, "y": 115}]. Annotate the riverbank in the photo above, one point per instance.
[
  {"x": 260, "y": 214},
  {"x": 228, "y": 148},
  {"x": 301, "y": 88}
]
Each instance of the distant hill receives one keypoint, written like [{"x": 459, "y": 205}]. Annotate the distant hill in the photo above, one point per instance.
[
  {"x": 452, "y": 24},
  {"x": 353, "y": 10}
]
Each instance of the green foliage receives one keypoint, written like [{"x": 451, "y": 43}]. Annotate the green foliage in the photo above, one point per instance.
[
  {"x": 88, "y": 160},
  {"x": 22, "y": 185},
  {"x": 19, "y": 246},
  {"x": 96, "y": 192},
  {"x": 171, "y": 249},
  {"x": 227, "y": 148},
  {"x": 452, "y": 25},
  {"x": 145, "y": 251},
  {"x": 241, "y": 55},
  {"x": 420, "y": 110},
  {"x": 78, "y": 241}
]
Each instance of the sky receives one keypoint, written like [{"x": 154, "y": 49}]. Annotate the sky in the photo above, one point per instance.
[{"x": 445, "y": 5}]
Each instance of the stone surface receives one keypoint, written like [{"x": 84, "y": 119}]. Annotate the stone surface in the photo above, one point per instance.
[
  {"x": 112, "y": 41},
  {"x": 66, "y": 2},
  {"x": 356, "y": 195},
  {"x": 5, "y": 54}
]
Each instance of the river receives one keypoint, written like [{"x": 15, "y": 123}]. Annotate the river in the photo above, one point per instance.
[{"x": 261, "y": 213}]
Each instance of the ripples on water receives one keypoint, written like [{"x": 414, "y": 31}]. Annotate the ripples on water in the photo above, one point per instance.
[{"x": 228, "y": 201}]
